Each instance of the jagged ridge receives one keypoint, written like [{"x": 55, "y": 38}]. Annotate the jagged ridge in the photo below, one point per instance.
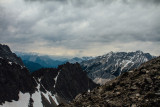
[
  {"x": 5, "y": 52},
  {"x": 67, "y": 80},
  {"x": 13, "y": 79},
  {"x": 104, "y": 68}
]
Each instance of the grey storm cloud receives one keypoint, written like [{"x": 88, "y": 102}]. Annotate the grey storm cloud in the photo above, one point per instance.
[
  {"x": 81, "y": 25},
  {"x": 96, "y": 1}
]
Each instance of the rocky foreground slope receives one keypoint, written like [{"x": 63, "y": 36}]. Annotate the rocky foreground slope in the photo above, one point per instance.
[{"x": 140, "y": 87}]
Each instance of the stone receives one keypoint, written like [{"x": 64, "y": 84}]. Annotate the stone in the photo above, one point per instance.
[{"x": 137, "y": 95}]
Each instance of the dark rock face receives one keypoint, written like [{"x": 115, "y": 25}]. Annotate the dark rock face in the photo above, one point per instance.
[
  {"x": 67, "y": 80},
  {"x": 6, "y": 53},
  {"x": 141, "y": 87},
  {"x": 13, "y": 79},
  {"x": 71, "y": 75},
  {"x": 104, "y": 68},
  {"x": 46, "y": 77}
]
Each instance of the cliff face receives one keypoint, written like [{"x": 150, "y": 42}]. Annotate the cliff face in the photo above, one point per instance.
[
  {"x": 13, "y": 79},
  {"x": 67, "y": 80},
  {"x": 71, "y": 75},
  {"x": 6, "y": 53},
  {"x": 140, "y": 87}
]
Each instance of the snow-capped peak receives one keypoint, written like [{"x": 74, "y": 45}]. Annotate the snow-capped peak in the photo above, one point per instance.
[{"x": 114, "y": 63}]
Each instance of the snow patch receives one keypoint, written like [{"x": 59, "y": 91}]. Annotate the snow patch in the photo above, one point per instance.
[
  {"x": 54, "y": 98},
  {"x": 49, "y": 94},
  {"x": 37, "y": 99},
  {"x": 56, "y": 79},
  {"x": 39, "y": 80},
  {"x": 37, "y": 95},
  {"x": 22, "y": 101},
  {"x": 10, "y": 63}
]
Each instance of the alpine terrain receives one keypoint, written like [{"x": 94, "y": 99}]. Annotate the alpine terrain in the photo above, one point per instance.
[
  {"x": 105, "y": 68},
  {"x": 137, "y": 88},
  {"x": 47, "y": 87}
]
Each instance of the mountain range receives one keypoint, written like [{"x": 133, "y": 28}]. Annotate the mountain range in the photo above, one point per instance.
[
  {"x": 106, "y": 67},
  {"x": 100, "y": 69},
  {"x": 131, "y": 81},
  {"x": 35, "y": 61}
]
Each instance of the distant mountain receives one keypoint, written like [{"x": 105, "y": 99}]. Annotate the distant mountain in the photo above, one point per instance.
[
  {"x": 5, "y": 52},
  {"x": 138, "y": 88},
  {"x": 35, "y": 61},
  {"x": 105, "y": 68},
  {"x": 79, "y": 60},
  {"x": 32, "y": 66},
  {"x": 47, "y": 87}
]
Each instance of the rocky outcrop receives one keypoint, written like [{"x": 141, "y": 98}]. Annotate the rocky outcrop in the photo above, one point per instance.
[
  {"x": 140, "y": 87},
  {"x": 13, "y": 79},
  {"x": 105, "y": 68},
  {"x": 6, "y": 53},
  {"x": 66, "y": 81}
]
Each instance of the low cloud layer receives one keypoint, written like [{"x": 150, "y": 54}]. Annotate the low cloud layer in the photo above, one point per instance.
[{"x": 80, "y": 28}]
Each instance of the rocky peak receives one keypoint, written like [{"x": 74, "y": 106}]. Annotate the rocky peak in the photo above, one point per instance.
[
  {"x": 14, "y": 78},
  {"x": 67, "y": 81},
  {"x": 104, "y": 68},
  {"x": 6, "y": 53}
]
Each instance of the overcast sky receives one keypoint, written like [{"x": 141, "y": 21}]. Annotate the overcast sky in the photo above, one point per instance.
[{"x": 80, "y": 27}]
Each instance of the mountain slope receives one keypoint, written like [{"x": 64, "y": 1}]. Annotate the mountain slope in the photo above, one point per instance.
[
  {"x": 67, "y": 80},
  {"x": 79, "y": 60},
  {"x": 44, "y": 88},
  {"x": 5, "y": 52},
  {"x": 140, "y": 87},
  {"x": 32, "y": 66},
  {"x": 104, "y": 68},
  {"x": 14, "y": 79}
]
